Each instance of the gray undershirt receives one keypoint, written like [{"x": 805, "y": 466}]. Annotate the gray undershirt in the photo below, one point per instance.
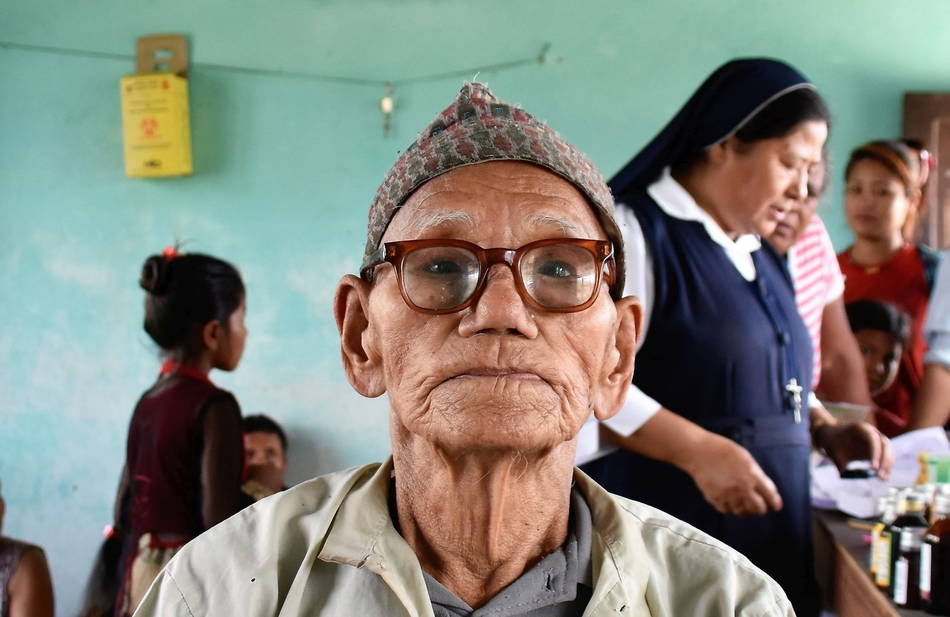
[{"x": 559, "y": 585}]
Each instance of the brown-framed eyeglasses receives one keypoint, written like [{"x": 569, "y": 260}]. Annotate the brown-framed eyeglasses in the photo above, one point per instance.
[{"x": 562, "y": 275}]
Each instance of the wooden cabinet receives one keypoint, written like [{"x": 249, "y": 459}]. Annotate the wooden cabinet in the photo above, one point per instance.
[{"x": 927, "y": 118}]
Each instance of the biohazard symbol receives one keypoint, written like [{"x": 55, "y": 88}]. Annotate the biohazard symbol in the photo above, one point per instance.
[{"x": 149, "y": 127}]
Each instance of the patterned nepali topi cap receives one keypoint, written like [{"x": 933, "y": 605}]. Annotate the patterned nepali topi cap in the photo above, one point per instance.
[{"x": 475, "y": 128}]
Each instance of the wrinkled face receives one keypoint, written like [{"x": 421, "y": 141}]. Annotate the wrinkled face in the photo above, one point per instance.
[
  {"x": 228, "y": 355},
  {"x": 262, "y": 448},
  {"x": 882, "y": 355},
  {"x": 767, "y": 178},
  {"x": 498, "y": 374},
  {"x": 787, "y": 231},
  {"x": 876, "y": 202}
]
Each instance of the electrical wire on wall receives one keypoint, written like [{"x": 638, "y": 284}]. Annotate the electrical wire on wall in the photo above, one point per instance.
[{"x": 387, "y": 103}]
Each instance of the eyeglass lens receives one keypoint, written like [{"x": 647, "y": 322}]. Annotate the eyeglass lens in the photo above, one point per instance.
[{"x": 555, "y": 276}]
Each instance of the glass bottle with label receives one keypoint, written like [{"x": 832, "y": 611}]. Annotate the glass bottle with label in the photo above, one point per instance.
[
  {"x": 935, "y": 560},
  {"x": 884, "y": 552},
  {"x": 907, "y": 532},
  {"x": 887, "y": 506}
]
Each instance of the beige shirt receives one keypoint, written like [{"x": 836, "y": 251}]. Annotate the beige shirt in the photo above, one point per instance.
[{"x": 328, "y": 547}]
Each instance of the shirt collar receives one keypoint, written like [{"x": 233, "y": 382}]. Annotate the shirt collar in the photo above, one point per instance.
[
  {"x": 676, "y": 201},
  {"x": 362, "y": 535},
  {"x": 552, "y": 581}
]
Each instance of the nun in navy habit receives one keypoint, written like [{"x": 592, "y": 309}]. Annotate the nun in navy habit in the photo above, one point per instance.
[{"x": 724, "y": 367}]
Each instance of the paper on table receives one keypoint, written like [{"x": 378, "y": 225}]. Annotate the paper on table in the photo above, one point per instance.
[{"x": 859, "y": 497}]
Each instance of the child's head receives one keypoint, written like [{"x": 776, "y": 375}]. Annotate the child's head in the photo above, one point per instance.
[
  {"x": 194, "y": 305},
  {"x": 881, "y": 330},
  {"x": 265, "y": 443}
]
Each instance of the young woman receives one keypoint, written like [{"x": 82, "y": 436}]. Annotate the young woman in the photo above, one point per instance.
[
  {"x": 882, "y": 195},
  {"x": 718, "y": 428},
  {"x": 185, "y": 455}
]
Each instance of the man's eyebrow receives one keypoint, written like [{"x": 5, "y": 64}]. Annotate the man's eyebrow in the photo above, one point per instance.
[
  {"x": 567, "y": 227},
  {"x": 423, "y": 219}
]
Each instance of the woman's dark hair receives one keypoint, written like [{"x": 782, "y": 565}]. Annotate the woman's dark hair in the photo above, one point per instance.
[
  {"x": 104, "y": 582},
  {"x": 107, "y": 575},
  {"x": 187, "y": 290},
  {"x": 777, "y": 119},
  {"x": 260, "y": 423},
  {"x": 877, "y": 315},
  {"x": 783, "y": 115}
]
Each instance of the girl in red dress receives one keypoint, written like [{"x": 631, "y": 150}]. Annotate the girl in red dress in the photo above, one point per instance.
[
  {"x": 185, "y": 454},
  {"x": 884, "y": 182}
]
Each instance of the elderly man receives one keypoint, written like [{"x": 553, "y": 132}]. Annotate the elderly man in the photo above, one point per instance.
[{"x": 489, "y": 309}]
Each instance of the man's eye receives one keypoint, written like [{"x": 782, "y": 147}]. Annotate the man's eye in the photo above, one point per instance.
[
  {"x": 442, "y": 266},
  {"x": 557, "y": 269}
]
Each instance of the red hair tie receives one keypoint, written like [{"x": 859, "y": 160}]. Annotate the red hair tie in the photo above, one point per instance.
[{"x": 170, "y": 252}]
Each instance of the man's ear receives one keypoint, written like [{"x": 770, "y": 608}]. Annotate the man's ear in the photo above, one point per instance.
[
  {"x": 617, "y": 374},
  {"x": 362, "y": 362}
]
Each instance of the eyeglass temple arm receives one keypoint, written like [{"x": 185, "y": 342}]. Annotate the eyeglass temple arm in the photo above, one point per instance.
[{"x": 369, "y": 264}]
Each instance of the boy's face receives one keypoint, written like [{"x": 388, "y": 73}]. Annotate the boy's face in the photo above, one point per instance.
[
  {"x": 882, "y": 354},
  {"x": 262, "y": 448}
]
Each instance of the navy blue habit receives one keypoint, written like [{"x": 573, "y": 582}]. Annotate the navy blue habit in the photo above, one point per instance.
[{"x": 720, "y": 350}]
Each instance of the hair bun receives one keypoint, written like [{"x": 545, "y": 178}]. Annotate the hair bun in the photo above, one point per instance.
[{"x": 155, "y": 275}]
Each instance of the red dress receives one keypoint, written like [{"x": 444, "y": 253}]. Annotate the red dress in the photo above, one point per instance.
[
  {"x": 168, "y": 435},
  {"x": 905, "y": 281}
]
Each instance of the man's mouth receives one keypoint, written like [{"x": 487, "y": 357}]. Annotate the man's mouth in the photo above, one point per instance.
[{"x": 499, "y": 373}]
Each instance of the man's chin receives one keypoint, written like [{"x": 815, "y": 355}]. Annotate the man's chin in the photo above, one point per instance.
[{"x": 490, "y": 428}]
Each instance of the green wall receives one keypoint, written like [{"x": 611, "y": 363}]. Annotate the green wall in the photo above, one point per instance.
[{"x": 285, "y": 169}]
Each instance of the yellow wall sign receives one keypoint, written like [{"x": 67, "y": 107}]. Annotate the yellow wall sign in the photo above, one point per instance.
[{"x": 155, "y": 124}]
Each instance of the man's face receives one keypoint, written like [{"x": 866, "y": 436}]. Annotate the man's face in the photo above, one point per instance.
[
  {"x": 497, "y": 375},
  {"x": 262, "y": 448}
]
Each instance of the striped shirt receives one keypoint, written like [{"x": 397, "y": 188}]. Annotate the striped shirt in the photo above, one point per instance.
[{"x": 818, "y": 282}]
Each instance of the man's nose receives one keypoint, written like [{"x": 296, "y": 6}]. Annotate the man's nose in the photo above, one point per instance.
[{"x": 500, "y": 309}]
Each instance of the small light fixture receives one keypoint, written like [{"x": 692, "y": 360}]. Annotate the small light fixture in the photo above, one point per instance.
[{"x": 386, "y": 106}]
